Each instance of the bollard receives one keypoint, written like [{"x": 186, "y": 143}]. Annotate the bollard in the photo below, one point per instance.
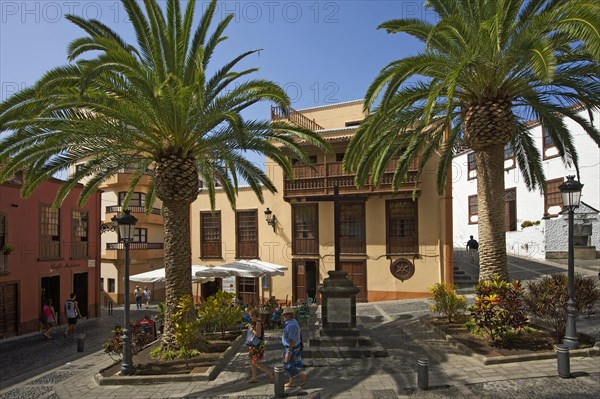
[
  {"x": 423, "y": 373},
  {"x": 278, "y": 381},
  {"x": 563, "y": 361},
  {"x": 80, "y": 342}
]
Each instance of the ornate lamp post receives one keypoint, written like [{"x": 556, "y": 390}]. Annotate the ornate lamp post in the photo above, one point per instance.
[
  {"x": 571, "y": 195},
  {"x": 126, "y": 223}
]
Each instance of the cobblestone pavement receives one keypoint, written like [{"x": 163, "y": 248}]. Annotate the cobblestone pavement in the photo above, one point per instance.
[
  {"x": 26, "y": 356},
  {"x": 32, "y": 368},
  {"x": 395, "y": 325}
]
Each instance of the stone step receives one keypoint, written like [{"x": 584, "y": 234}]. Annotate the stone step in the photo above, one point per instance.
[
  {"x": 463, "y": 279},
  {"x": 352, "y": 353},
  {"x": 465, "y": 290},
  {"x": 345, "y": 342}
]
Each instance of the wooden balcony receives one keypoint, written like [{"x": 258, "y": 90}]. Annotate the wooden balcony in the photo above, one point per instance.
[
  {"x": 123, "y": 177},
  {"x": 295, "y": 117},
  {"x": 137, "y": 250},
  {"x": 139, "y": 212},
  {"x": 305, "y": 246},
  {"x": 321, "y": 180},
  {"x": 79, "y": 250}
]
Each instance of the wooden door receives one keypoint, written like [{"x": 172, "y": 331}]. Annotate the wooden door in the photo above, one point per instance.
[
  {"x": 80, "y": 288},
  {"x": 9, "y": 305},
  {"x": 357, "y": 273},
  {"x": 299, "y": 281},
  {"x": 305, "y": 280},
  {"x": 510, "y": 210},
  {"x": 247, "y": 287}
]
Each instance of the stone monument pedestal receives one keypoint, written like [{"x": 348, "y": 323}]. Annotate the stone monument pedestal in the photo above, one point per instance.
[{"x": 339, "y": 335}]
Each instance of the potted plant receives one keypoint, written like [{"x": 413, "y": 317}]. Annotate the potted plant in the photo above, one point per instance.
[{"x": 8, "y": 248}]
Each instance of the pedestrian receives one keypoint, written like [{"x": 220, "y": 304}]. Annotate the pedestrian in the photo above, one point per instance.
[
  {"x": 472, "y": 247},
  {"x": 138, "y": 293},
  {"x": 291, "y": 340},
  {"x": 72, "y": 313},
  {"x": 256, "y": 352},
  {"x": 49, "y": 317},
  {"x": 146, "y": 296}
]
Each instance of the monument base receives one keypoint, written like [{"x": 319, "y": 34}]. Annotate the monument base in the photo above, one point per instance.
[
  {"x": 343, "y": 343},
  {"x": 339, "y": 336}
]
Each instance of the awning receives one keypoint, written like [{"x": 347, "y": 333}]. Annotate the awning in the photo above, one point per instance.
[
  {"x": 249, "y": 268},
  {"x": 158, "y": 275}
]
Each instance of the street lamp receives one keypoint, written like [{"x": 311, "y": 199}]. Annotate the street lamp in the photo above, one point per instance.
[
  {"x": 126, "y": 223},
  {"x": 571, "y": 194}
]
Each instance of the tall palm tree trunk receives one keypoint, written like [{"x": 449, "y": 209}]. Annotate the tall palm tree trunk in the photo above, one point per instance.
[
  {"x": 490, "y": 211},
  {"x": 177, "y": 250}
]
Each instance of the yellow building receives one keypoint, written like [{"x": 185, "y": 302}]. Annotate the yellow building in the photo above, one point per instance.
[
  {"x": 146, "y": 250},
  {"x": 391, "y": 246}
]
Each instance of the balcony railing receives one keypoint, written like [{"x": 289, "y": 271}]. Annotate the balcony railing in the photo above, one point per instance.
[
  {"x": 79, "y": 250},
  {"x": 295, "y": 117},
  {"x": 133, "y": 209},
  {"x": 323, "y": 177},
  {"x": 135, "y": 245},
  {"x": 148, "y": 172}
]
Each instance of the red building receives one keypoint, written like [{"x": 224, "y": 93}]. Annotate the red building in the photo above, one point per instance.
[{"x": 46, "y": 253}]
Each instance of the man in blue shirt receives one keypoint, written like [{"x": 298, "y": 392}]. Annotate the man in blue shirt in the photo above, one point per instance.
[
  {"x": 472, "y": 247},
  {"x": 291, "y": 341}
]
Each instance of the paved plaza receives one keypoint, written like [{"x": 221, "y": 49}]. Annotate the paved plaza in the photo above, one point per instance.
[{"x": 33, "y": 368}]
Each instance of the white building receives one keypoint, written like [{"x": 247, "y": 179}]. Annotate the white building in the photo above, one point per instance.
[{"x": 523, "y": 206}]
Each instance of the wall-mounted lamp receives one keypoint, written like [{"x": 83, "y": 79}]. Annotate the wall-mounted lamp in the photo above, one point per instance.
[
  {"x": 270, "y": 218},
  {"x": 105, "y": 227}
]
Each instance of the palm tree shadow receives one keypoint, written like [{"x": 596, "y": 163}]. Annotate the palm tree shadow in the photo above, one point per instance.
[{"x": 403, "y": 338}]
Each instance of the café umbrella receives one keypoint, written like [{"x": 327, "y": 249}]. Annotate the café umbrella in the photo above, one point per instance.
[{"x": 158, "y": 275}]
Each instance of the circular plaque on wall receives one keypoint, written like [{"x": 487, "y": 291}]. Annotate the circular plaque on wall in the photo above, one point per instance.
[{"x": 402, "y": 269}]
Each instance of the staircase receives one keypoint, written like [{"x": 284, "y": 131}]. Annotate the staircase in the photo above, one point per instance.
[
  {"x": 465, "y": 284},
  {"x": 295, "y": 117}
]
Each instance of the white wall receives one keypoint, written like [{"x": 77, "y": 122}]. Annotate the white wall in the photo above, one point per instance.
[
  {"x": 557, "y": 231},
  {"x": 530, "y": 204}
]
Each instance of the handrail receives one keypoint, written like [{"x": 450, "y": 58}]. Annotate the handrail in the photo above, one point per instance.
[{"x": 290, "y": 114}]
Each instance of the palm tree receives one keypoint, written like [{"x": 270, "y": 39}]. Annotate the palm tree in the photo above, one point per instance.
[
  {"x": 488, "y": 67},
  {"x": 150, "y": 107}
]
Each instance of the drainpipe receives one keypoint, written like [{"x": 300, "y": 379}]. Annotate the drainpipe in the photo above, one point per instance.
[{"x": 448, "y": 230}]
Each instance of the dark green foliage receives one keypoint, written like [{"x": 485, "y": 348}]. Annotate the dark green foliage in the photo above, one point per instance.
[
  {"x": 218, "y": 313},
  {"x": 499, "y": 309},
  {"x": 447, "y": 302},
  {"x": 547, "y": 300}
]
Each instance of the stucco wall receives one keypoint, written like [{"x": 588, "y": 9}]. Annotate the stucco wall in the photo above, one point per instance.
[
  {"x": 24, "y": 266},
  {"x": 557, "y": 232},
  {"x": 336, "y": 115}
]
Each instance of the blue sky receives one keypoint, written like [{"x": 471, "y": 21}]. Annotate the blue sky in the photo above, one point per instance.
[{"x": 321, "y": 52}]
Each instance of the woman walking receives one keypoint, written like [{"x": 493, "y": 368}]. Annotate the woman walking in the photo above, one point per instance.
[
  {"x": 50, "y": 317},
  {"x": 256, "y": 353}
]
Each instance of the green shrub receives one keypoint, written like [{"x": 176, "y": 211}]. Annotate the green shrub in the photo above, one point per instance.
[
  {"x": 547, "y": 300},
  {"x": 187, "y": 331},
  {"x": 447, "y": 302},
  {"x": 188, "y": 336},
  {"x": 499, "y": 308},
  {"x": 218, "y": 313},
  {"x": 528, "y": 223}
]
